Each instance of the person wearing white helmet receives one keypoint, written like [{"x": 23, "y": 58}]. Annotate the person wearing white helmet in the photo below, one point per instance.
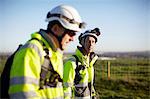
[
  {"x": 37, "y": 69},
  {"x": 78, "y": 69},
  {"x": 66, "y": 17}
]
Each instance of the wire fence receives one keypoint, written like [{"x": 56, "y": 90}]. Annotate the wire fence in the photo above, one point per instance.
[{"x": 124, "y": 69}]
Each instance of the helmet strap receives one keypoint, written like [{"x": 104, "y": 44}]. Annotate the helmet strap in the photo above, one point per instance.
[{"x": 59, "y": 38}]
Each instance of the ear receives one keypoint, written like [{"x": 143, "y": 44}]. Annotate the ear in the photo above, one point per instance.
[
  {"x": 58, "y": 30},
  {"x": 55, "y": 28}
]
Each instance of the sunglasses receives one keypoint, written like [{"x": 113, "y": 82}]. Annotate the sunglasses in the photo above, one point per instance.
[{"x": 70, "y": 32}]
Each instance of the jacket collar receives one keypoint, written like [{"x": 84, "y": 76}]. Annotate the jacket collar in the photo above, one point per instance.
[
  {"x": 84, "y": 59},
  {"x": 51, "y": 40}
]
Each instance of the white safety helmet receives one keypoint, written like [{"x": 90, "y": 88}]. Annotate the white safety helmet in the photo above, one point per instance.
[
  {"x": 67, "y": 16},
  {"x": 94, "y": 33}
]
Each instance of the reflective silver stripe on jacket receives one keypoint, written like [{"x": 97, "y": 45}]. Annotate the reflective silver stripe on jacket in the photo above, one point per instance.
[
  {"x": 87, "y": 97},
  {"x": 57, "y": 98},
  {"x": 28, "y": 95},
  {"x": 65, "y": 84},
  {"x": 82, "y": 85},
  {"x": 66, "y": 94},
  {"x": 23, "y": 80},
  {"x": 23, "y": 95},
  {"x": 61, "y": 97},
  {"x": 33, "y": 46}
]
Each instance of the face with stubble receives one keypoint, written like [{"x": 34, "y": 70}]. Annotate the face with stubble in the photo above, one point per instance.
[
  {"x": 89, "y": 44},
  {"x": 67, "y": 35}
]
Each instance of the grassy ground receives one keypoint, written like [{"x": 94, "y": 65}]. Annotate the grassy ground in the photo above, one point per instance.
[
  {"x": 121, "y": 89},
  {"x": 130, "y": 79}
]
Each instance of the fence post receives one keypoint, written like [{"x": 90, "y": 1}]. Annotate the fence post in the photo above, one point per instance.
[
  {"x": 108, "y": 70},
  {"x": 103, "y": 71}
]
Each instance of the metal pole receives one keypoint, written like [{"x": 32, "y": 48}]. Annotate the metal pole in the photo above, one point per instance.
[{"x": 108, "y": 70}]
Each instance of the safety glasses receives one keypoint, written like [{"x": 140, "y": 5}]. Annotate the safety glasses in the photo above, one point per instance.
[{"x": 70, "y": 33}]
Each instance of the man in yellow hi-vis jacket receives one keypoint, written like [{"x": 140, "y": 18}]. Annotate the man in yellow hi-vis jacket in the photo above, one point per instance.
[
  {"x": 79, "y": 71},
  {"x": 37, "y": 68}
]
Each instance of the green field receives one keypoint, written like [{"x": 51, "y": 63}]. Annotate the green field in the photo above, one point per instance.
[{"x": 129, "y": 78}]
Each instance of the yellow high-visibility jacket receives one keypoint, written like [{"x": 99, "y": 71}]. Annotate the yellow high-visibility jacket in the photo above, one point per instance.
[
  {"x": 84, "y": 87},
  {"x": 26, "y": 69}
]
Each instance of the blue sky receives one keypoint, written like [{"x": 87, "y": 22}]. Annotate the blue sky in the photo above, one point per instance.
[{"x": 125, "y": 24}]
